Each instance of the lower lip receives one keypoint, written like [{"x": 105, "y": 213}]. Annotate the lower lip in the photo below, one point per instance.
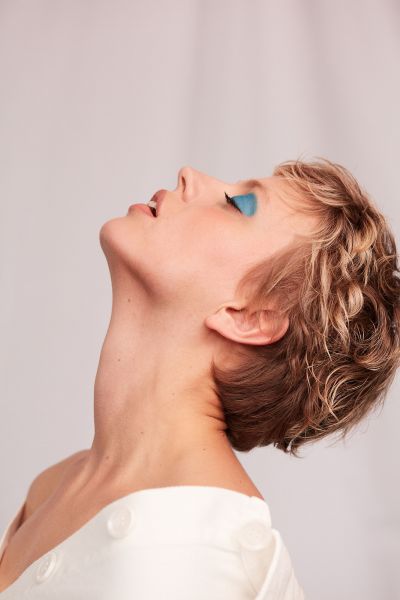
[{"x": 143, "y": 207}]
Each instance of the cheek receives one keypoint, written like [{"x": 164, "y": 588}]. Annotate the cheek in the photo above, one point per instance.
[
  {"x": 214, "y": 254},
  {"x": 212, "y": 242},
  {"x": 192, "y": 254}
]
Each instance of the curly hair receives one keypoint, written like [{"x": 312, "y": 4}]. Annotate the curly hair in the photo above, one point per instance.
[{"x": 340, "y": 290}]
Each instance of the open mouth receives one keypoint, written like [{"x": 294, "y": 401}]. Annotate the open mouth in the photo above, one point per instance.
[
  {"x": 152, "y": 204},
  {"x": 155, "y": 202},
  {"x": 143, "y": 207}
]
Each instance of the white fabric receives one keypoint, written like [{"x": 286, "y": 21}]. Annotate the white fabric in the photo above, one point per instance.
[{"x": 169, "y": 543}]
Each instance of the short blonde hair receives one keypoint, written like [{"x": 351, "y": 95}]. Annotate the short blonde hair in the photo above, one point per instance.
[{"x": 340, "y": 290}]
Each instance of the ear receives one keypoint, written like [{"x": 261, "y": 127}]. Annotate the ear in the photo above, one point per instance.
[{"x": 261, "y": 327}]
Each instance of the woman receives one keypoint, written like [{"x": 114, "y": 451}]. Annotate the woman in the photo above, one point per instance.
[{"x": 245, "y": 314}]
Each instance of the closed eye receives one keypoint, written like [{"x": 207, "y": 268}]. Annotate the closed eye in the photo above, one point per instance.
[
  {"x": 244, "y": 203},
  {"x": 231, "y": 201}
]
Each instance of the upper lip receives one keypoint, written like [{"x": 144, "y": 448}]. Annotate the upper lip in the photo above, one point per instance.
[{"x": 158, "y": 197}]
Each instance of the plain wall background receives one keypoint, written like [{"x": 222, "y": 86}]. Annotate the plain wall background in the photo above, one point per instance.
[{"x": 101, "y": 103}]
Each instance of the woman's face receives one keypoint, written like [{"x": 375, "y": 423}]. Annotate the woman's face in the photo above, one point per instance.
[{"x": 195, "y": 252}]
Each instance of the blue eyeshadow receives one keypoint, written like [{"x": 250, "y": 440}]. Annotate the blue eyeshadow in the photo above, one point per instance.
[{"x": 247, "y": 203}]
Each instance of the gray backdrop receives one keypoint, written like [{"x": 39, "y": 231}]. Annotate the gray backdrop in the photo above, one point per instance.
[{"x": 101, "y": 103}]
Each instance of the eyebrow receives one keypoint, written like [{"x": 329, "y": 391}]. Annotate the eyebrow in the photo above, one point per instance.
[{"x": 255, "y": 184}]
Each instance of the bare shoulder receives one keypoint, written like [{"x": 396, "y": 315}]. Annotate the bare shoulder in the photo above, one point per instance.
[
  {"x": 242, "y": 484},
  {"x": 47, "y": 481},
  {"x": 223, "y": 470},
  {"x": 233, "y": 475}
]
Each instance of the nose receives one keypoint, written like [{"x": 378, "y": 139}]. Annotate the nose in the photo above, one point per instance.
[
  {"x": 185, "y": 178},
  {"x": 192, "y": 183}
]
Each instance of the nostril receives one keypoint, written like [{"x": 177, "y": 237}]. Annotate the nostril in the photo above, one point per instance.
[{"x": 184, "y": 176}]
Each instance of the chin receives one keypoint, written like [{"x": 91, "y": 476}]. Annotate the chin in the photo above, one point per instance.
[
  {"x": 123, "y": 242},
  {"x": 116, "y": 234}
]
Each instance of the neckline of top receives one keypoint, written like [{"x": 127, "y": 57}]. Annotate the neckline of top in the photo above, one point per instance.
[
  {"x": 241, "y": 496},
  {"x": 171, "y": 488}
]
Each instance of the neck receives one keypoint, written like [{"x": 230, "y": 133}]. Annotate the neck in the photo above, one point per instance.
[{"x": 156, "y": 417}]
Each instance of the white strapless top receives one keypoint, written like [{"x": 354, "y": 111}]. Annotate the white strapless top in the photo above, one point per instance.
[{"x": 184, "y": 542}]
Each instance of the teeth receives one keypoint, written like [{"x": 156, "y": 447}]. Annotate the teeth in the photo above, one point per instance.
[{"x": 153, "y": 206}]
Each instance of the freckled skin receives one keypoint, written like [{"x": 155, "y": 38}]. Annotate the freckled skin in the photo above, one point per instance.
[
  {"x": 156, "y": 414},
  {"x": 180, "y": 271},
  {"x": 157, "y": 421}
]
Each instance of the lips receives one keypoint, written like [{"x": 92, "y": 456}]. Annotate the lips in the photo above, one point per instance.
[
  {"x": 144, "y": 208},
  {"x": 158, "y": 197}
]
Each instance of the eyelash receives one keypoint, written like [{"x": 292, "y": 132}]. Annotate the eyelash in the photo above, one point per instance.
[{"x": 231, "y": 201}]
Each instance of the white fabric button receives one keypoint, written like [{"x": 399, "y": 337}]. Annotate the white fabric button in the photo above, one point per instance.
[
  {"x": 254, "y": 534},
  {"x": 46, "y": 566},
  {"x": 120, "y": 522}
]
